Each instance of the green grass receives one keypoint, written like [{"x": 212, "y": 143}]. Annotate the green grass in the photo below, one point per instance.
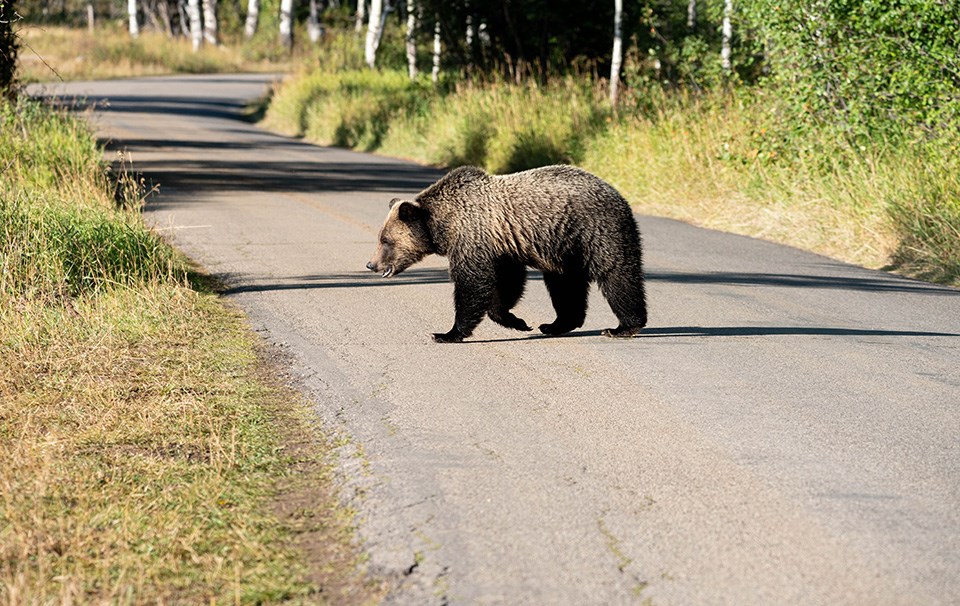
[
  {"x": 719, "y": 159},
  {"x": 145, "y": 452}
]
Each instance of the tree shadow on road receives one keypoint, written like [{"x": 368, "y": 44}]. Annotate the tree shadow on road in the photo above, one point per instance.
[
  {"x": 247, "y": 158},
  {"x": 236, "y": 284},
  {"x": 882, "y": 283},
  {"x": 361, "y": 279}
]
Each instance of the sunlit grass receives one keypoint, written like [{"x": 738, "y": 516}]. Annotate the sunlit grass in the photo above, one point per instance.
[
  {"x": 51, "y": 53},
  {"x": 142, "y": 445},
  {"x": 716, "y": 159}
]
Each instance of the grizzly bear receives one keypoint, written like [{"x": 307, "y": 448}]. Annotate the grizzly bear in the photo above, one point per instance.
[{"x": 564, "y": 221}]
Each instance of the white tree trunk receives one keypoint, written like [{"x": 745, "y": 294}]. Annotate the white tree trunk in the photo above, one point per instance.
[
  {"x": 435, "y": 74},
  {"x": 253, "y": 16},
  {"x": 196, "y": 25},
  {"x": 691, "y": 14},
  {"x": 210, "y": 22},
  {"x": 286, "y": 23},
  {"x": 361, "y": 15},
  {"x": 314, "y": 29},
  {"x": 617, "y": 56},
  {"x": 469, "y": 35},
  {"x": 132, "y": 11},
  {"x": 410, "y": 41},
  {"x": 374, "y": 32},
  {"x": 725, "y": 50},
  {"x": 163, "y": 8},
  {"x": 483, "y": 36},
  {"x": 183, "y": 12}
]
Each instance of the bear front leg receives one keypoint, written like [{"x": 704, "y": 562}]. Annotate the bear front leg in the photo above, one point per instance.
[{"x": 472, "y": 294}]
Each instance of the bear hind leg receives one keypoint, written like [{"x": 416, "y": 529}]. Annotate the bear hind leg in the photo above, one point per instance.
[
  {"x": 623, "y": 289},
  {"x": 568, "y": 292},
  {"x": 511, "y": 279}
]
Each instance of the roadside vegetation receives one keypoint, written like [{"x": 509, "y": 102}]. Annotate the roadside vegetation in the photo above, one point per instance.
[
  {"x": 53, "y": 52},
  {"x": 146, "y": 454},
  {"x": 846, "y": 143}
]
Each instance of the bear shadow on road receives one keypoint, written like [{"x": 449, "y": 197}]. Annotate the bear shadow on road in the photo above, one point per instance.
[
  {"x": 659, "y": 332},
  {"x": 237, "y": 284}
]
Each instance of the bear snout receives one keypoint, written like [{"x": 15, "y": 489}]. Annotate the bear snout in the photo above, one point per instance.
[{"x": 371, "y": 266}]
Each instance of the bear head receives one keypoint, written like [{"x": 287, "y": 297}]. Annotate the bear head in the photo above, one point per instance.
[{"x": 404, "y": 239}]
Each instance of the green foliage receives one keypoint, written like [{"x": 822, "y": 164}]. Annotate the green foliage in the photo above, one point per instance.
[
  {"x": 719, "y": 158},
  {"x": 56, "y": 239},
  {"x": 141, "y": 446},
  {"x": 57, "y": 251},
  {"x": 45, "y": 150},
  {"x": 499, "y": 126},
  {"x": 924, "y": 202},
  {"x": 865, "y": 67}
]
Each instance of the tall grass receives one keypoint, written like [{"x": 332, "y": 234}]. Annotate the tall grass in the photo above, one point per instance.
[
  {"x": 718, "y": 159},
  {"x": 54, "y": 52},
  {"x": 142, "y": 449},
  {"x": 62, "y": 233},
  {"x": 500, "y": 126}
]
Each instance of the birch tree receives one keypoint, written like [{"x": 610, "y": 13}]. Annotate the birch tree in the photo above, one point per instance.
[
  {"x": 314, "y": 29},
  {"x": 727, "y": 32},
  {"x": 132, "y": 12},
  {"x": 410, "y": 42},
  {"x": 691, "y": 15},
  {"x": 196, "y": 25},
  {"x": 374, "y": 31},
  {"x": 468, "y": 37},
  {"x": 182, "y": 14},
  {"x": 435, "y": 74},
  {"x": 286, "y": 23},
  {"x": 361, "y": 15},
  {"x": 253, "y": 15},
  {"x": 617, "y": 55},
  {"x": 209, "y": 22}
]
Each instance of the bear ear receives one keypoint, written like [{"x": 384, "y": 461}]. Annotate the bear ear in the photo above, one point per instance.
[{"x": 408, "y": 211}]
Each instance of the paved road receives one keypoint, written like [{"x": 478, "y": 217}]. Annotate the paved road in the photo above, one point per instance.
[{"x": 787, "y": 431}]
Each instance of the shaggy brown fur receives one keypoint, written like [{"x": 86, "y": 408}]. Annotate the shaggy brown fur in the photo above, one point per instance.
[{"x": 562, "y": 220}]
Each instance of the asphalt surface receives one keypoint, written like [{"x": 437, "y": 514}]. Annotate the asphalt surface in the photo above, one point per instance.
[{"x": 786, "y": 431}]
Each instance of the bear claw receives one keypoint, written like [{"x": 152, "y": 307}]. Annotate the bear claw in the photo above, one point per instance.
[
  {"x": 555, "y": 328},
  {"x": 447, "y": 337},
  {"x": 621, "y": 332},
  {"x": 508, "y": 320}
]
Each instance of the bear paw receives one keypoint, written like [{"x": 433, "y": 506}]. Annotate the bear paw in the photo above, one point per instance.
[
  {"x": 557, "y": 328},
  {"x": 453, "y": 336},
  {"x": 622, "y": 332},
  {"x": 508, "y": 320}
]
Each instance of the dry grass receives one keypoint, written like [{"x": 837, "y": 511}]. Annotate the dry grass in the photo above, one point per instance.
[
  {"x": 720, "y": 159},
  {"x": 52, "y": 53},
  {"x": 703, "y": 165},
  {"x": 143, "y": 448},
  {"x": 141, "y": 452}
]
